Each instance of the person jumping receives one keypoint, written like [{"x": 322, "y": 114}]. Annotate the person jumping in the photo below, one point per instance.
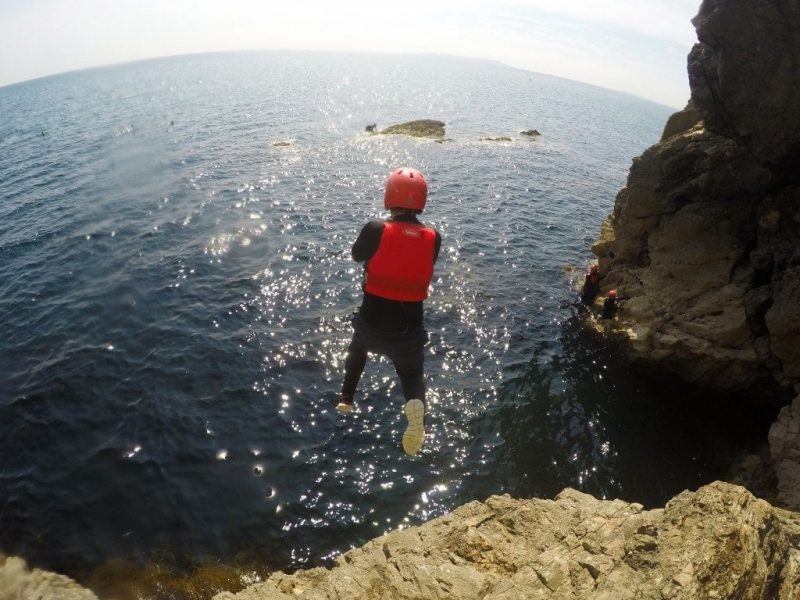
[{"x": 398, "y": 256}]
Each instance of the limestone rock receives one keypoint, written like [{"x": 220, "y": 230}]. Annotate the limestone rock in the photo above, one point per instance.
[
  {"x": 717, "y": 542},
  {"x": 17, "y": 582},
  {"x": 422, "y": 128}
]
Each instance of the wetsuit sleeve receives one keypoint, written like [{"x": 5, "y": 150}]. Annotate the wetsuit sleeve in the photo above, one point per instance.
[
  {"x": 366, "y": 245},
  {"x": 437, "y": 245}
]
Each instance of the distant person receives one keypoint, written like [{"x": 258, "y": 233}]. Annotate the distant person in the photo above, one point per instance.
[
  {"x": 398, "y": 256},
  {"x": 610, "y": 305},
  {"x": 591, "y": 285}
]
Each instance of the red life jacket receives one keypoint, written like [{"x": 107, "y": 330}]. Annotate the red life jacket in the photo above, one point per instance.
[{"x": 402, "y": 266}]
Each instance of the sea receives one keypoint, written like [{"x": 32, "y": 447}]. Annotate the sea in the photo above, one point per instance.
[{"x": 176, "y": 288}]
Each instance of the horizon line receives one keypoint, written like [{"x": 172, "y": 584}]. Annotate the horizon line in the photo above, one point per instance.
[{"x": 341, "y": 52}]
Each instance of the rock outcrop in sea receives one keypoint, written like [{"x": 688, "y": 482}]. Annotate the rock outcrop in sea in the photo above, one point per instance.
[
  {"x": 421, "y": 128},
  {"x": 704, "y": 240}
]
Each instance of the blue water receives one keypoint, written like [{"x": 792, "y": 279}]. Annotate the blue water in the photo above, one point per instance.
[{"x": 175, "y": 291}]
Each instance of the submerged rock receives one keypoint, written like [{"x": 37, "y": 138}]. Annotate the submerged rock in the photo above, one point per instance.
[
  {"x": 717, "y": 542},
  {"x": 530, "y": 133},
  {"x": 422, "y": 128}
]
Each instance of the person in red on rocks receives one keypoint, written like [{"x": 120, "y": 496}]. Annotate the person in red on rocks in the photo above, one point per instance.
[{"x": 398, "y": 255}]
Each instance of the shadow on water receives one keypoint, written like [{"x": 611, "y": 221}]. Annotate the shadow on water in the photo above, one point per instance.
[{"x": 585, "y": 417}]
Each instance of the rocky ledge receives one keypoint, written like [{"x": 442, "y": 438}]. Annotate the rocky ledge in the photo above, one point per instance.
[{"x": 717, "y": 542}]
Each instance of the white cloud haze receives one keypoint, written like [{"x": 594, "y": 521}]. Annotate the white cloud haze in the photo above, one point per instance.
[{"x": 637, "y": 47}]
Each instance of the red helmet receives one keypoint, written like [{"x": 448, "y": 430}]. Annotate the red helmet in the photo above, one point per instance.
[
  {"x": 405, "y": 188},
  {"x": 612, "y": 293}
]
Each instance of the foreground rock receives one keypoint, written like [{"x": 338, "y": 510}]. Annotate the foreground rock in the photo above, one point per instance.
[
  {"x": 17, "y": 582},
  {"x": 422, "y": 128},
  {"x": 718, "y": 542}
]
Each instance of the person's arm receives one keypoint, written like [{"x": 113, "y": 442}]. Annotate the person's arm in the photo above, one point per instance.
[
  {"x": 366, "y": 245},
  {"x": 436, "y": 246}
]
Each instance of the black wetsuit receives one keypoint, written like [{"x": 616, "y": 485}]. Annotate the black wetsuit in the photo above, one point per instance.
[
  {"x": 591, "y": 286},
  {"x": 389, "y": 327},
  {"x": 609, "y": 308}
]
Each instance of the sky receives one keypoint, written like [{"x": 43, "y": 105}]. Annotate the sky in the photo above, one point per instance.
[{"x": 635, "y": 46}]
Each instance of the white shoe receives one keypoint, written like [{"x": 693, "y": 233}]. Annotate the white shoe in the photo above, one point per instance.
[
  {"x": 345, "y": 404},
  {"x": 414, "y": 436},
  {"x": 343, "y": 407}
]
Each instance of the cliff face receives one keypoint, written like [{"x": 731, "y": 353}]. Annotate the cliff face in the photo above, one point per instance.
[
  {"x": 718, "y": 542},
  {"x": 704, "y": 240}
]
